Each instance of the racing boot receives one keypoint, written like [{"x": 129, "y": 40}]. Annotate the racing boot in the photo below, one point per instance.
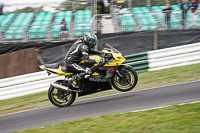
[{"x": 74, "y": 81}]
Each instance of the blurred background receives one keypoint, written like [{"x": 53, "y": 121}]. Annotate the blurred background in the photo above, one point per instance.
[
  {"x": 50, "y": 27},
  {"x": 52, "y": 21},
  {"x": 159, "y": 38}
]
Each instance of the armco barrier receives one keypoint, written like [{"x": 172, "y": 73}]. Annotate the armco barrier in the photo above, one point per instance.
[
  {"x": 164, "y": 58},
  {"x": 33, "y": 86},
  {"x": 173, "y": 51},
  {"x": 174, "y": 57},
  {"x": 138, "y": 61},
  {"x": 140, "y": 66},
  {"x": 150, "y": 61},
  {"x": 26, "y": 78},
  {"x": 174, "y": 65},
  {"x": 136, "y": 57}
]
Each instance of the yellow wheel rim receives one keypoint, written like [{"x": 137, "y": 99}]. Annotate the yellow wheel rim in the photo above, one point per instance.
[
  {"x": 57, "y": 97},
  {"x": 126, "y": 82}
]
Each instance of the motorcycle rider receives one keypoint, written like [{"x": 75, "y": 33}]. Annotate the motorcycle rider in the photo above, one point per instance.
[{"x": 78, "y": 51}]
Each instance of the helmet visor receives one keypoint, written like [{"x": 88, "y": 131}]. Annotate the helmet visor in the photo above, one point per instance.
[
  {"x": 93, "y": 44},
  {"x": 94, "y": 41}
]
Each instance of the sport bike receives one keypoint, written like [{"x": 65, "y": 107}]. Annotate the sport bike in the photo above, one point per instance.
[{"x": 108, "y": 74}]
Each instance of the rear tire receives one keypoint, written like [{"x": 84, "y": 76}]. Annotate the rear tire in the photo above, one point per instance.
[
  {"x": 59, "y": 98},
  {"x": 127, "y": 83}
]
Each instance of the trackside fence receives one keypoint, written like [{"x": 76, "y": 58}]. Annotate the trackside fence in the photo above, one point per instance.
[
  {"x": 141, "y": 62},
  {"x": 138, "y": 61},
  {"x": 165, "y": 58}
]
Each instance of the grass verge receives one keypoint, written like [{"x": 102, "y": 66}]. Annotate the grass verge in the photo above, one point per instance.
[
  {"x": 173, "y": 119},
  {"x": 146, "y": 80}
]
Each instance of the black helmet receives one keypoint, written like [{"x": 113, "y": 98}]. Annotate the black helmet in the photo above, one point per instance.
[{"x": 90, "y": 40}]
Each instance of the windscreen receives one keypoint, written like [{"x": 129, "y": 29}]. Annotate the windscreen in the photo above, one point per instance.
[{"x": 115, "y": 50}]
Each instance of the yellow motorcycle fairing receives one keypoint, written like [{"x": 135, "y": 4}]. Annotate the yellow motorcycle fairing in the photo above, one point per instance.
[
  {"x": 55, "y": 71},
  {"x": 59, "y": 71},
  {"x": 119, "y": 59}
]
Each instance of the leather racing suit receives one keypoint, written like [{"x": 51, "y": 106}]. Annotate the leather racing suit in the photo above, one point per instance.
[{"x": 76, "y": 53}]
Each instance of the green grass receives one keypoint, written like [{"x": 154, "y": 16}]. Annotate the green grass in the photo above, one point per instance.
[
  {"x": 146, "y": 80},
  {"x": 173, "y": 119}
]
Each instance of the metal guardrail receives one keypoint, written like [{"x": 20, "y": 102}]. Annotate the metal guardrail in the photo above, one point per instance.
[
  {"x": 138, "y": 61},
  {"x": 25, "y": 84},
  {"x": 154, "y": 60},
  {"x": 173, "y": 57},
  {"x": 155, "y": 63},
  {"x": 165, "y": 58},
  {"x": 179, "y": 50}
]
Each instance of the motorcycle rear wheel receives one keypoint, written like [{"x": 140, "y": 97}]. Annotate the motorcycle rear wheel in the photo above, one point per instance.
[
  {"x": 128, "y": 82},
  {"x": 60, "y": 98}
]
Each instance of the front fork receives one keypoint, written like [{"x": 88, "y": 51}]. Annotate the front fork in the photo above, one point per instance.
[{"x": 119, "y": 74}]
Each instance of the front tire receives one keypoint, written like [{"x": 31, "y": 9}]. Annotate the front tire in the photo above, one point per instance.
[
  {"x": 129, "y": 80},
  {"x": 60, "y": 98}
]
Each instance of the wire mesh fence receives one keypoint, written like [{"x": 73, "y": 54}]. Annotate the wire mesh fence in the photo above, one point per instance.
[
  {"x": 45, "y": 26},
  {"x": 137, "y": 20},
  {"x": 81, "y": 22},
  {"x": 43, "y": 33}
]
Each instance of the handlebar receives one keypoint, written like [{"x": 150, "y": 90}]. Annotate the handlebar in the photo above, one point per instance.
[{"x": 108, "y": 56}]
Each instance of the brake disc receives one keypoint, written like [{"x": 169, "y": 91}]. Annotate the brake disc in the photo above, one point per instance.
[
  {"x": 60, "y": 94},
  {"x": 125, "y": 81}
]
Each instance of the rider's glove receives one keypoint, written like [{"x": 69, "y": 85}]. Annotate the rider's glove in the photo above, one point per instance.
[
  {"x": 101, "y": 52},
  {"x": 88, "y": 70},
  {"x": 102, "y": 60}
]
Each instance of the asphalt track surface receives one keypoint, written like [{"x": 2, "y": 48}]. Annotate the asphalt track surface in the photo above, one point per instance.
[{"x": 136, "y": 100}]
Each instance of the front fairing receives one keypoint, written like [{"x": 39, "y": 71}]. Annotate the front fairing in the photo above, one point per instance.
[{"x": 118, "y": 58}]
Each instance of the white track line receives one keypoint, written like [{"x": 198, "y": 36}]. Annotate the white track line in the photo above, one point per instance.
[{"x": 165, "y": 106}]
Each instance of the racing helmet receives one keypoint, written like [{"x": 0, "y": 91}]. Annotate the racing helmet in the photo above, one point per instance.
[{"x": 90, "y": 40}]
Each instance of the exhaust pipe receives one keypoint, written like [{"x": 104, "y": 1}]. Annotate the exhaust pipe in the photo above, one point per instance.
[{"x": 59, "y": 86}]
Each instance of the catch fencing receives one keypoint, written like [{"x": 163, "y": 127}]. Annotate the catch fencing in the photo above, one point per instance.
[
  {"x": 135, "y": 20},
  {"x": 49, "y": 34},
  {"x": 132, "y": 20},
  {"x": 149, "y": 61}
]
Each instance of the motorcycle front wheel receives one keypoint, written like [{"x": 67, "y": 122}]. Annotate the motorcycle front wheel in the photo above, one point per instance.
[
  {"x": 128, "y": 82},
  {"x": 60, "y": 98}
]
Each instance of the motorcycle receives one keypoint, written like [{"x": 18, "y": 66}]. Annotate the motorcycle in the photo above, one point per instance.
[{"x": 110, "y": 73}]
